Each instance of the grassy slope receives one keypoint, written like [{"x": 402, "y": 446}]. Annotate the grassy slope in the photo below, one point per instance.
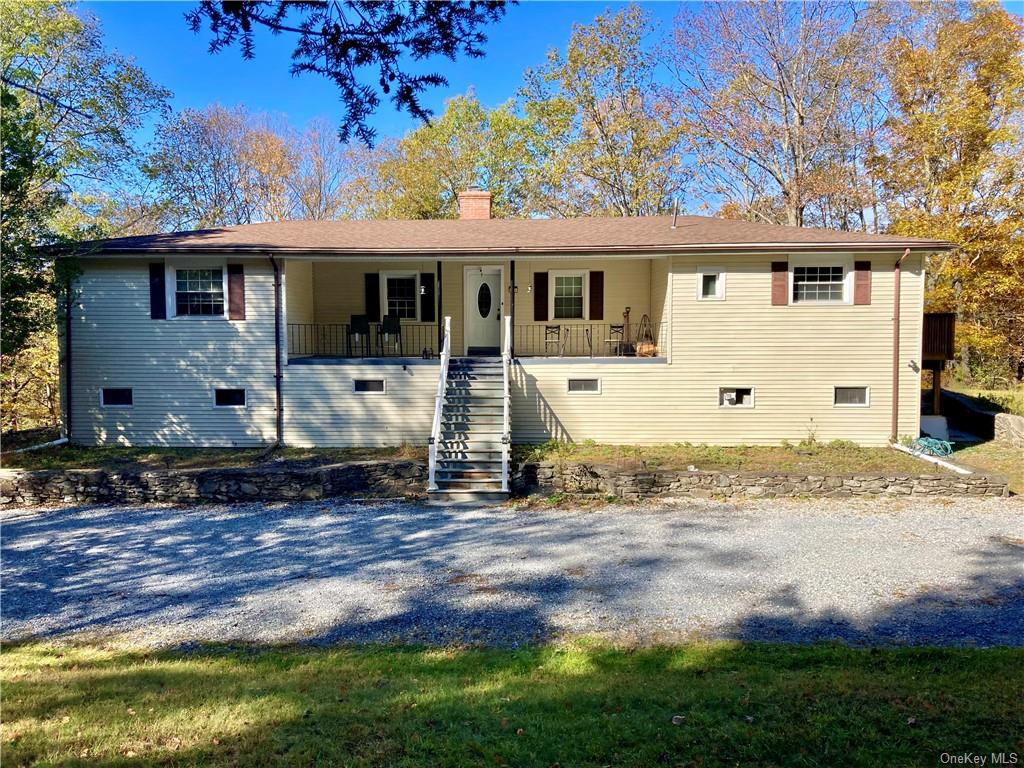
[
  {"x": 582, "y": 705},
  {"x": 837, "y": 457},
  {"x": 995, "y": 457},
  {"x": 829, "y": 458},
  {"x": 1009, "y": 400},
  {"x": 86, "y": 457}
]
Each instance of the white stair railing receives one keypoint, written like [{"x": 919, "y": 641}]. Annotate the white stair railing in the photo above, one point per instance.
[
  {"x": 442, "y": 381},
  {"x": 506, "y": 429}
]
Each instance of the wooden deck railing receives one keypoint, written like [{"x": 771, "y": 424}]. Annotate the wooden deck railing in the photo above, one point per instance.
[{"x": 937, "y": 340}]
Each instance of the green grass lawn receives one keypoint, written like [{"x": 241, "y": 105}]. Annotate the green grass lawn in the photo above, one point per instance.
[
  {"x": 1008, "y": 400},
  {"x": 995, "y": 457},
  {"x": 134, "y": 459},
  {"x": 580, "y": 705},
  {"x": 838, "y": 457}
]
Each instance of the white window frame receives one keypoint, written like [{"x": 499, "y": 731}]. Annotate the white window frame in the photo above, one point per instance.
[
  {"x": 383, "y": 391},
  {"x": 719, "y": 285},
  {"x": 415, "y": 293},
  {"x": 245, "y": 397},
  {"x": 171, "y": 266},
  {"x": 724, "y": 406},
  {"x": 585, "y": 274},
  {"x": 569, "y": 391},
  {"x": 843, "y": 260},
  {"x": 867, "y": 396},
  {"x": 103, "y": 404}
]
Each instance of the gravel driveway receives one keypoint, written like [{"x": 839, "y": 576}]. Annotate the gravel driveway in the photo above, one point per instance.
[{"x": 868, "y": 571}]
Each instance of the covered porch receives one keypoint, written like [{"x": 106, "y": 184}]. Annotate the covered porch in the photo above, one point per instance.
[{"x": 339, "y": 309}]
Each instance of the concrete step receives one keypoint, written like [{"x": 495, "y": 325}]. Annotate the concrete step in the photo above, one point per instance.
[
  {"x": 445, "y": 497},
  {"x": 470, "y": 484},
  {"x": 482, "y": 407},
  {"x": 452, "y": 475},
  {"x": 463, "y": 441},
  {"x": 470, "y": 420},
  {"x": 471, "y": 454},
  {"x": 487, "y": 464},
  {"x": 481, "y": 384}
]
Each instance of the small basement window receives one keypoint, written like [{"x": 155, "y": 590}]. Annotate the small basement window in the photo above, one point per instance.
[
  {"x": 585, "y": 386},
  {"x": 119, "y": 396},
  {"x": 710, "y": 284},
  {"x": 229, "y": 398},
  {"x": 368, "y": 386},
  {"x": 850, "y": 397},
  {"x": 736, "y": 397}
]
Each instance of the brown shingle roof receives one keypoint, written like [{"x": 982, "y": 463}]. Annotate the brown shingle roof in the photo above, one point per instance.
[{"x": 640, "y": 234}]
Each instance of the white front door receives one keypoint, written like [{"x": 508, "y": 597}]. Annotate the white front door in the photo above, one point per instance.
[{"x": 482, "y": 310}]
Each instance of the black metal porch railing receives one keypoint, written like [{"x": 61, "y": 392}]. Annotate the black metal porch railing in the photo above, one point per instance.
[
  {"x": 587, "y": 340},
  {"x": 338, "y": 340},
  {"x": 532, "y": 340}
]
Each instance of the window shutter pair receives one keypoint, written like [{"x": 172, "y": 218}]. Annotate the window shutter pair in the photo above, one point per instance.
[
  {"x": 371, "y": 282},
  {"x": 861, "y": 282},
  {"x": 158, "y": 292},
  {"x": 540, "y": 296}
]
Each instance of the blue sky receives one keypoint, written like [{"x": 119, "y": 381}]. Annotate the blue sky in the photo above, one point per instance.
[{"x": 156, "y": 35}]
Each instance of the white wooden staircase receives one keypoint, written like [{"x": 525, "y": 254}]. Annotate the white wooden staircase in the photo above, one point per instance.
[{"x": 470, "y": 440}]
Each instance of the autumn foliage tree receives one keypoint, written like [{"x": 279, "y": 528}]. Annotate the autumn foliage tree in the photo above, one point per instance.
[
  {"x": 602, "y": 138},
  {"x": 951, "y": 167},
  {"x": 762, "y": 89}
]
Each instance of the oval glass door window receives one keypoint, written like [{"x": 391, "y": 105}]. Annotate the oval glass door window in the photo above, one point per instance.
[{"x": 483, "y": 300}]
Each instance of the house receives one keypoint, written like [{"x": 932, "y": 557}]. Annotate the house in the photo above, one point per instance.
[{"x": 471, "y": 333}]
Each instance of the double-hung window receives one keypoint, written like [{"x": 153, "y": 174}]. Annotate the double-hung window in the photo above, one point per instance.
[
  {"x": 818, "y": 284},
  {"x": 199, "y": 291},
  {"x": 569, "y": 295},
  {"x": 400, "y": 295}
]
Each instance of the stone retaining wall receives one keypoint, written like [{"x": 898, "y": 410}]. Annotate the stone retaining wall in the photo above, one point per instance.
[
  {"x": 76, "y": 486},
  {"x": 600, "y": 480},
  {"x": 1009, "y": 429}
]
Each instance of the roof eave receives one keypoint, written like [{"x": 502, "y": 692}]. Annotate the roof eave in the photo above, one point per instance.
[{"x": 667, "y": 249}]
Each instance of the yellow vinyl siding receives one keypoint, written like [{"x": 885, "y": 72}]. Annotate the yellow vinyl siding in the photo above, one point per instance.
[
  {"x": 792, "y": 356},
  {"x": 299, "y": 301},
  {"x": 172, "y": 366},
  {"x": 339, "y": 291},
  {"x": 322, "y": 410}
]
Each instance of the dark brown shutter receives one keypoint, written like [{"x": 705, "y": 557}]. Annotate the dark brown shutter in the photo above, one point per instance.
[
  {"x": 236, "y": 292},
  {"x": 157, "y": 293},
  {"x": 540, "y": 296},
  {"x": 596, "y": 296},
  {"x": 427, "y": 297},
  {"x": 780, "y": 283},
  {"x": 862, "y": 282},
  {"x": 372, "y": 297}
]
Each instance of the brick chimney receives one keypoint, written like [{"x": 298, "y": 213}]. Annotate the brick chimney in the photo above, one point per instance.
[{"x": 475, "y": 203}]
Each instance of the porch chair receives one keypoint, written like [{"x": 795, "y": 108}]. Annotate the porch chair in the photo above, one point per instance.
[
  {"x": 359, "y": 329},
  {"x": 616, "y": 340},
  {"x": 554, "y": 338},
  {"x": 390, "y": 332}
]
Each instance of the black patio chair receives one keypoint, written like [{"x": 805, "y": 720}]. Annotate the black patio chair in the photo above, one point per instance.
[
  {"x": 359, "y": 329},
  {"x": 390, "y": 332},
  {"x": 616, "y": 340}
]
